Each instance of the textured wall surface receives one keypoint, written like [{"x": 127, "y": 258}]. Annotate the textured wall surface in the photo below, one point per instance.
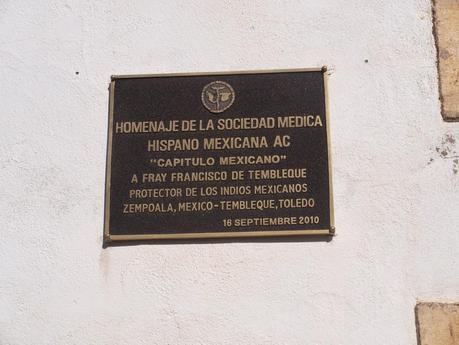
[{"x": 396, "y": 178}]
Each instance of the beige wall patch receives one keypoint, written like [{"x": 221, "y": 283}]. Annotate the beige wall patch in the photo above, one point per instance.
[
  {"x": 446, "y": 31},
  {"x": 437, "y": 323}
]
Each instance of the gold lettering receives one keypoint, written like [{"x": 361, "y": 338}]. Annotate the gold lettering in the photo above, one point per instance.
[
  {"x": 235, "y": 143},
  {"x": 272, "y": 174},
  {"x": 157, "y": 145}
]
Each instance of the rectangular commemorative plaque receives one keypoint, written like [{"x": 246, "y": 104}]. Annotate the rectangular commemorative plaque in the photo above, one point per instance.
[{"x": 233, "y": 154}]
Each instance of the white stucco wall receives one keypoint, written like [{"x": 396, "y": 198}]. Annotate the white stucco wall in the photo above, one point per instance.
[{"x": 396, "y": 190}]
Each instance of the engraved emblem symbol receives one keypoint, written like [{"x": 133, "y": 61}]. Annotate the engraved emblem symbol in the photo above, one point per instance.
[{"x": 217, "y": 96}]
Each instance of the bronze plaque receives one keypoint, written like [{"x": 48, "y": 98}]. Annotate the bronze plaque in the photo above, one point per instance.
[{"x": 218, "y": 155}]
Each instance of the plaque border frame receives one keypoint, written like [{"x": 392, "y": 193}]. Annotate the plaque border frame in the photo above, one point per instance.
[{"x": 208, "y": 235}]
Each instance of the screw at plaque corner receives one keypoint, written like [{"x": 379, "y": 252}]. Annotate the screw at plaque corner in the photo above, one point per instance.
[{"x": 324, "y": 69}]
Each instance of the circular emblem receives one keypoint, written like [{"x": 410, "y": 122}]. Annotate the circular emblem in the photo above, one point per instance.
[{"x": 217, "y": 96}]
